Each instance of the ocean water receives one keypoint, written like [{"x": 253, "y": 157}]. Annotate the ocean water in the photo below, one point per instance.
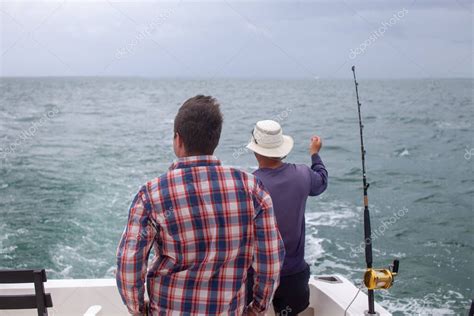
[{"x": 73, "y": 152}]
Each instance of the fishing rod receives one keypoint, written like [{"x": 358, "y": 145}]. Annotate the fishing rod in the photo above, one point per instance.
[{"x": 373, "y": 278}]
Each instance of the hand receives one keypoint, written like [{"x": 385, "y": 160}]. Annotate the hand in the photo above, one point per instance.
[
  {"x": 315, "y": 145},
  {"x": 146, "y": 310},
  {"x": 249, "y": 311}
]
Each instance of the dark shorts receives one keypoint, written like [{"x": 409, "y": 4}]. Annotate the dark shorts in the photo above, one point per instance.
[{"x": 292, "y": 295}]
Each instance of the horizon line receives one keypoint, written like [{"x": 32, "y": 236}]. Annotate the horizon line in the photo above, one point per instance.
[{"x": 228, "y": 78}]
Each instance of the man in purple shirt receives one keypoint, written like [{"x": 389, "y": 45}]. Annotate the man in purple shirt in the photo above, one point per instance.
[{"x": 289, "y": 186}]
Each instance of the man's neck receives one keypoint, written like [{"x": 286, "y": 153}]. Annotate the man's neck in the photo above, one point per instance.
[
  {"x": 184, "y": 154},
  {"x": 271, "y": 164}
]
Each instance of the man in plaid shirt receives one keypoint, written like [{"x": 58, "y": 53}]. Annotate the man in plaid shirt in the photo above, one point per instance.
[{"x": 207, "y": 224}]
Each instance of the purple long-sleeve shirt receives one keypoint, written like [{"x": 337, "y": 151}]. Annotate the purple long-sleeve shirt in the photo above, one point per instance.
[{"x": 289, "y": 186}]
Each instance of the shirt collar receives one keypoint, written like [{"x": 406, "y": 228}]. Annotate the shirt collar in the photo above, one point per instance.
[{"x": 195, "y": 161}]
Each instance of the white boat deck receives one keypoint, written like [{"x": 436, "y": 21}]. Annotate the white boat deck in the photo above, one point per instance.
[{"x": 100, "y": 297}]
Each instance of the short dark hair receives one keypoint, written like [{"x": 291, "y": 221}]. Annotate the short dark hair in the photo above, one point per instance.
[{"x": 199, "y": 124}]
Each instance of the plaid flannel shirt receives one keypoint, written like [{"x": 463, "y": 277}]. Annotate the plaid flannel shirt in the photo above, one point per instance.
[{"x": 207, "y": 224}]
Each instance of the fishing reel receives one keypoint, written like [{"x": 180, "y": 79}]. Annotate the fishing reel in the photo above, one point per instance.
[{"x": 376, "y": 279}]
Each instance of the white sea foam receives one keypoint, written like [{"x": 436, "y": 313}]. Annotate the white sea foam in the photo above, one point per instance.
[
  {"x": 415, "y": 307},
  {"x": 452, "y": 125},
  {"x": 69, "y": 261},
  {"x": 313, "y": 248},
  {"x": 111, "y": 272},
  {"x": 438, "y": 302},
  {"x": 4, "y": 236},
  {"x": 6, "y": 250},
  {"x": 405, "y": 152},
  {"x": 335, "y": 213},
  {"x": 329, "y": 266}
]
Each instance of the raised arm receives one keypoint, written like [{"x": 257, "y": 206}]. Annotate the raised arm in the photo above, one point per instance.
[
  {"x": 319, "y": 174},
  {"x": 269, "y": 251},
  {"x": 133, "y": 252}
]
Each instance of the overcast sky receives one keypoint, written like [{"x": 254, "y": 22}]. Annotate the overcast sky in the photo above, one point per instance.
[{"x": 257, "y": 39}]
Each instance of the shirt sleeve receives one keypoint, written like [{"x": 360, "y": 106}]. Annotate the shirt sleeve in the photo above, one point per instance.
[
  {"x": 319, "y": 176},
  {"x": 133, "y": 252},
  {"x": 269, "y": 250}
]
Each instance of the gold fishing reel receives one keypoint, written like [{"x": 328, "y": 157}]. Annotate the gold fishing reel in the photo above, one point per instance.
[{"x": 375, "y": 279}]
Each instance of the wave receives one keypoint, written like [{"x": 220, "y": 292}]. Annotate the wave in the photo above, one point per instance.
[
  {"x": 437, "y": 303},
  {"x": 335, "y": 213}
]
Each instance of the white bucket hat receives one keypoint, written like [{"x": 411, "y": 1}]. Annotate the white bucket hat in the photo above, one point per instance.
[{"x": 268, "y": 140}]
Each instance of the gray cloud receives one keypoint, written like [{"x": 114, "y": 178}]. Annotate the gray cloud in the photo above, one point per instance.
[{"x": 195, "y": 39}]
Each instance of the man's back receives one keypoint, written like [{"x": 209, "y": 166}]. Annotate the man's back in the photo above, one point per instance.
[
  {"x": 289, "y": 186},
  {"x": 208, "y": 225}
]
